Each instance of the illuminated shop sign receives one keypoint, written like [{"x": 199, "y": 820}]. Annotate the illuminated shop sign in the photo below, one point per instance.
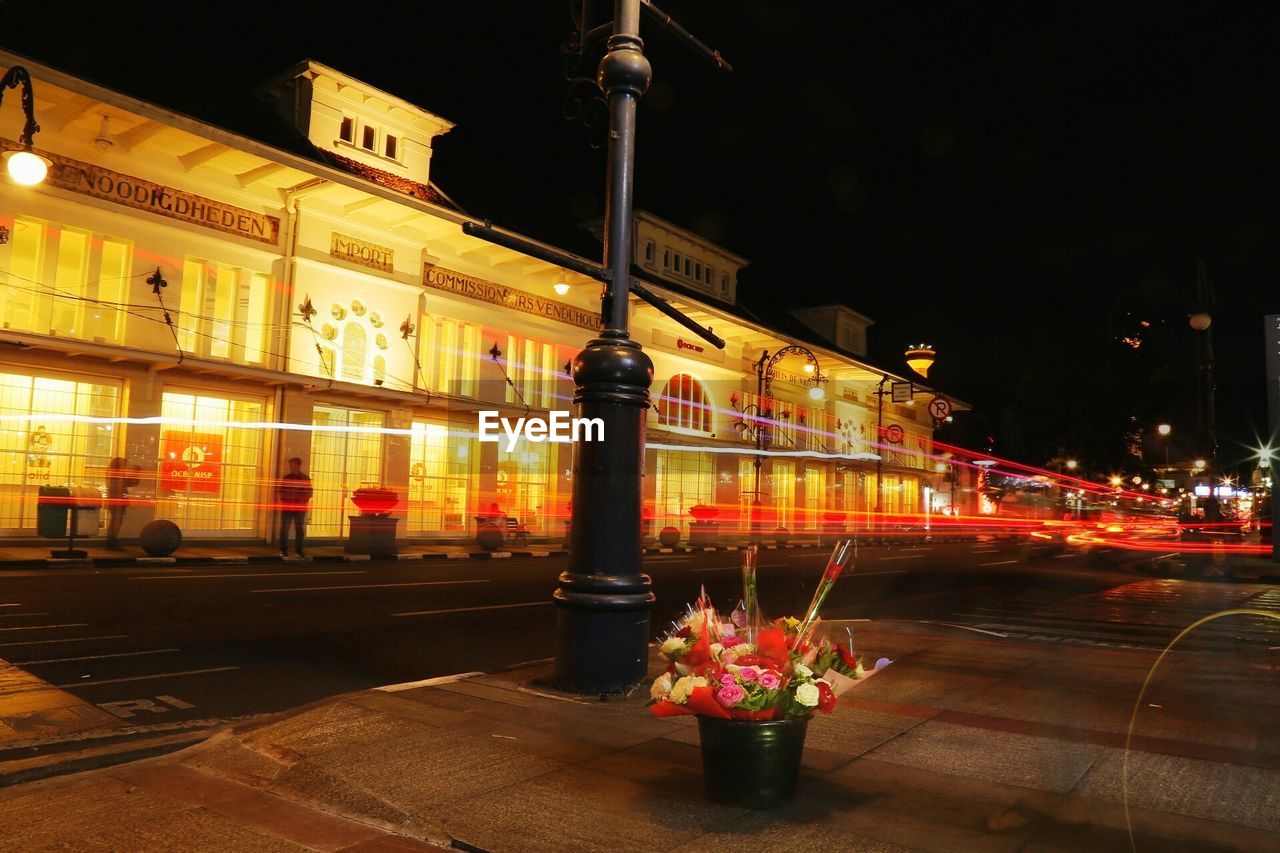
[
  {"x": 96, "y": 182},
  {"x": 684, "y": 346},
  {"x": 357, "y": 251},
  {"x": 461, "y": 284},
  {"x": 191, "y": 461}
]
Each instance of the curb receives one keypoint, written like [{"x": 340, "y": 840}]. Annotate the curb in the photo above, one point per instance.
[
  {"x": 255, "y": 559},
  {"x": 19, "y": 771}
]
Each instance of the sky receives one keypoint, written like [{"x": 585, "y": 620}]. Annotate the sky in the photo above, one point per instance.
[{"x": 1021, "y": 185}]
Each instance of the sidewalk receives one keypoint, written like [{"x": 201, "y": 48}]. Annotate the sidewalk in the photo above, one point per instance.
[{"x": 962, "y": 744}]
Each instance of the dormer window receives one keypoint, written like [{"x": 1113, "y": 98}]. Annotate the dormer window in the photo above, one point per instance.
[
  {"x": 348, "y": 133},
  {"x": 370, "y": 140},
  {"x": 391, "y": 146}
]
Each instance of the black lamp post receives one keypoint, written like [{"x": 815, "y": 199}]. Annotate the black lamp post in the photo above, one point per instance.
[
  {"x": 603, "y": 599},
  {"x": 760, "y": 428},
  {"x": 24, "y": 166}
]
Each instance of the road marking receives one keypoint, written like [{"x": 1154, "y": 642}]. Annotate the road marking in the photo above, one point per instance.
[
  {"x": 735, "y": 568},
  {"x": 907, "y": 557},
  {"x": 1064, "y": 556},
  {"x": 998, "y": 563},
  {"x": 255, "y": 575},
  {"x": 92, "y": 657},
  {"x": 66, "y": 640},
  {"x": 369, "y": 586},
  {"x": 985, "y": 550},
  {"x": 13, "y": 615},
  {"x": 12, "y": 605},
  {"x": 856, "y": 574},
  {"x": 427, "y": 682},
  {"x": 75, "y": 684},
  {"x": 472, "y": 609},
  {"x": 38, "y": 627}
]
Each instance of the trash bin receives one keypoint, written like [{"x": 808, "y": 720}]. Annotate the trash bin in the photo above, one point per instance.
[
  {"x": 53, "y": 505},
  {"x": 87, "y": 508}
]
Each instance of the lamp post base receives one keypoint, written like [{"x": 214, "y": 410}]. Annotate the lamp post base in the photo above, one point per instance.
[{"x": 602, "y": 633}]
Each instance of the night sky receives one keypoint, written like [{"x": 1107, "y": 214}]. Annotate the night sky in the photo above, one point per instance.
[{"x": 1017, "y": 184}]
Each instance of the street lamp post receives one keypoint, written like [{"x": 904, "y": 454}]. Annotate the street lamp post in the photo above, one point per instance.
[
  {"x": 603, "y": 600},
  {"x": 1164, "y": 430},
  {"x": 761, "y": 431},
  {"x": 24, "y": 166}
]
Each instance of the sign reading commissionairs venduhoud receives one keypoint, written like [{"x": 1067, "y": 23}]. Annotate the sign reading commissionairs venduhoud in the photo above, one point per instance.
[{"x": 471, "y": 287}]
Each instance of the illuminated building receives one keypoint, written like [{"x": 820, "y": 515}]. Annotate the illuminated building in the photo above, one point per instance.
[{"x": 322, "y": 281}]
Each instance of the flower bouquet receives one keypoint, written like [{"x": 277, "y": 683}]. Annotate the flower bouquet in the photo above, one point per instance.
[{"x": 754, "y": 684}]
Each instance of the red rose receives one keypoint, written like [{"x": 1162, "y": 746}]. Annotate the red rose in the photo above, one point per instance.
[
  {"x": 826, "y": 697},
  {"x": 846, "y": 658}
]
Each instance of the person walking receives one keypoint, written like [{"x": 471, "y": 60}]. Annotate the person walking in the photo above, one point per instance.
[
  {"x": 293, "y": 494},
  {"x": 118, "y": 483}
]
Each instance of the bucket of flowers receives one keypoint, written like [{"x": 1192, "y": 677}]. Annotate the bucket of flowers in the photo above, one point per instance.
[{"x": 754, "y": 685}]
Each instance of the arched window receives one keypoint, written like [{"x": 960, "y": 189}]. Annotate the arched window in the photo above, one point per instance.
[
  {"x": 684, "y": 403},
  {"x": 354, "y": 344}
]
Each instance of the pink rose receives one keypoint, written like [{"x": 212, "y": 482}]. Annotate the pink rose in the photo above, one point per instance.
[
  {"x": 748, "y": 673},
  {"x": 727, "y": 679},
  {"x": 769, "y": 680},
  {"x": 730, "y": 695},
  {"x": 730, "y": 642}
]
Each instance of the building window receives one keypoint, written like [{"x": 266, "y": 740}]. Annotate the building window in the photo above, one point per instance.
[
  {"x": 708, "y": 275},
  {"x": 106, "y": 320},
  {"x": 724, "y": 283},
  {"x": 675, "y": 256},
  {"x": 685, "y": 479},
  {"x": 448, "y": 354},
  {"x": 687, "y": 266},
  {"x": 208, "y": 472},
  {"x": 222, "y": 311},
  {"x": 684, "y": 404},
  {"x": 55, "y": 433},
  {"x": 370, "y": 138},
  {"x": 355, "y": 347},
  {"x": 531, "y": 367},
  {"x": 348, "y": 132},
  {"x": 347, "y": 455},
  {"x": 439, "y": 474},
  {"x": 391, "y": 146},
  {"x": 697, "y": 271},
  {"x": 648, "y": 251},
  {"x": 666, "y": 259},
  {"x": 523, "y": 484}
]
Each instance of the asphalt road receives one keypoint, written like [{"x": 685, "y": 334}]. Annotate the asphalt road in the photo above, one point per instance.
[{"x": 216, "y": 643}]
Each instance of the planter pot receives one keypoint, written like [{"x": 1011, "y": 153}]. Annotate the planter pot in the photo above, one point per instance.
[
  {"x": 160, "y": 538},
  {"x": 751, "y": 764},
  {"x": 669, "y": 536},
  {"x": 489, "y": 536},
  {"x": 374, "y": 535}
]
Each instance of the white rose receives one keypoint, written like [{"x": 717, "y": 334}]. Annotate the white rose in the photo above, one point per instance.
[
  {"x": 803, "y": 671},
  {"x": 807, "y": 695},
  {"x": 673, "y": 646},
  {"x": 661, "y": 687},
  {"x": 681, "y": 689},
  {"x": 716, "y": 649}
]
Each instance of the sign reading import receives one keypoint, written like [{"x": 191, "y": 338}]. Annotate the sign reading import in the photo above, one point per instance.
[
  {"x": 508, "y": 297},
  {"x": 359, "y": 252},
  {"x": 97, "y": 182}
]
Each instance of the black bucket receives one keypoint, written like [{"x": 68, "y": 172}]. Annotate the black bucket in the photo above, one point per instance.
[{"x": 752, "y": 763}]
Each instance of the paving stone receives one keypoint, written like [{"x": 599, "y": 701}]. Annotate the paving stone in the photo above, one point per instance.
[
  {"x": 1247, "y": 796},
  {"x": 1016, "y": 759}
]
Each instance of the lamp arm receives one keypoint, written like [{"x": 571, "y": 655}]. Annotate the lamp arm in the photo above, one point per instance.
[{"x": 19, "y": 76}]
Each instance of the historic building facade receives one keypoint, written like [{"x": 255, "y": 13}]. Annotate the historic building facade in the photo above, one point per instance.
[{"x": 205, "y": 306}]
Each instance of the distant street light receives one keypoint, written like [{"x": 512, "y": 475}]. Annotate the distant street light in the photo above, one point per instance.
[
  {"x": 920, "y": 358},
  {"x": 1164, "y": 430},
  {"x": 1200, "y": 464},
  {"x": 1072, "y": 464},
  {"x": 24, "y": 166},
  {"x": 1115, "y": 480}
]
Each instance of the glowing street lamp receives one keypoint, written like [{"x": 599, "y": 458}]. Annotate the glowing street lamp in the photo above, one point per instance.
[
  {"x": 1115, "y": 480},
  {"x": 1199, "y": 464},
  {"x": 1164, "y": 430},
  {"x": 24, "y": 166},
  {"x": 920, "y": 358},
  {"x": 1072, "y": 464}
]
